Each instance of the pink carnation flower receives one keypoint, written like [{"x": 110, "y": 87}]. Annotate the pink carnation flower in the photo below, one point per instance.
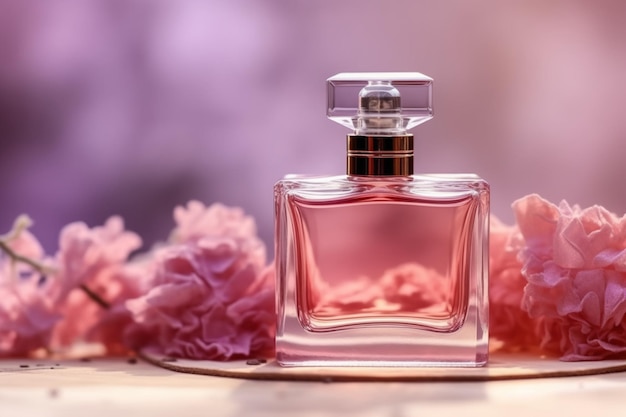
[
  {"x": 27, "y": 317},
  {"x": 95, "y": 258},
  {"x": 575, "y": 264},
  {"x": 210, "y": 295},
  {"x": 28, "y": 312},
  {"x": 509, "y": 325},
  {"x": 196, "y": 221}
]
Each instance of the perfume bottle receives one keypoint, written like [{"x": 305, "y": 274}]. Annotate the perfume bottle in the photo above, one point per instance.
[{"x": 381, "y": 267}]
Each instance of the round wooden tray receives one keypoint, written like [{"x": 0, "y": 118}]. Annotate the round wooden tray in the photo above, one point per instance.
[{"x": 501, "y": 366}]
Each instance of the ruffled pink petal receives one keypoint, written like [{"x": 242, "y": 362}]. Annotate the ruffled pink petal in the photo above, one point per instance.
[
  {"x": 96, "y": 258},
  {"x": 211, "y": 295},
  {"x": 574, "y": 263},
  {"x": 28, "y": 310},
  {"x": 537, "y": 221},
  {"x": 84, "y": 252}
]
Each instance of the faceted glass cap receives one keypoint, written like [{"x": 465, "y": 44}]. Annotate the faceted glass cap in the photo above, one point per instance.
[{"x": 380, "y": 102}]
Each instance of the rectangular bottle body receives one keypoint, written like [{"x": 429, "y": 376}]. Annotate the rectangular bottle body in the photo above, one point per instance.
[{"x": 382, "y": 272}]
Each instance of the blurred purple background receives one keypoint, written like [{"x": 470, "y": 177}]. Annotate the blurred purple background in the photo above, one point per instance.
[{"x": 132, "y": 107}]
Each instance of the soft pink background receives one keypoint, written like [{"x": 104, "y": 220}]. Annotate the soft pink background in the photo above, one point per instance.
[{"x": 131, "y": 107}]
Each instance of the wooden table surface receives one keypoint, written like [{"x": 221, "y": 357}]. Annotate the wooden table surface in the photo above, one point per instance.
[{"x": 116, "y": 387}]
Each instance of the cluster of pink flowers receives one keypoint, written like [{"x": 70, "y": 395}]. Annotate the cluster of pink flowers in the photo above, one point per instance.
[
  {"x": 95, "y": 260},
  {"x": 557, "y": 286},
  {"x": 41, "y": 307},
  {"x": 558, "y": 281},
  {"x": 206, "y": 293},
  {"x": 28, "y": 308}
]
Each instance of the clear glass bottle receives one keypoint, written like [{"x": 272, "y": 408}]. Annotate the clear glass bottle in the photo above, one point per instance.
[{"x": 381, "y": 267}]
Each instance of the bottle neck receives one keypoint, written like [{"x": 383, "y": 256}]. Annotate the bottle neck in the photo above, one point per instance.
[{"x": 380, "y": 156}]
